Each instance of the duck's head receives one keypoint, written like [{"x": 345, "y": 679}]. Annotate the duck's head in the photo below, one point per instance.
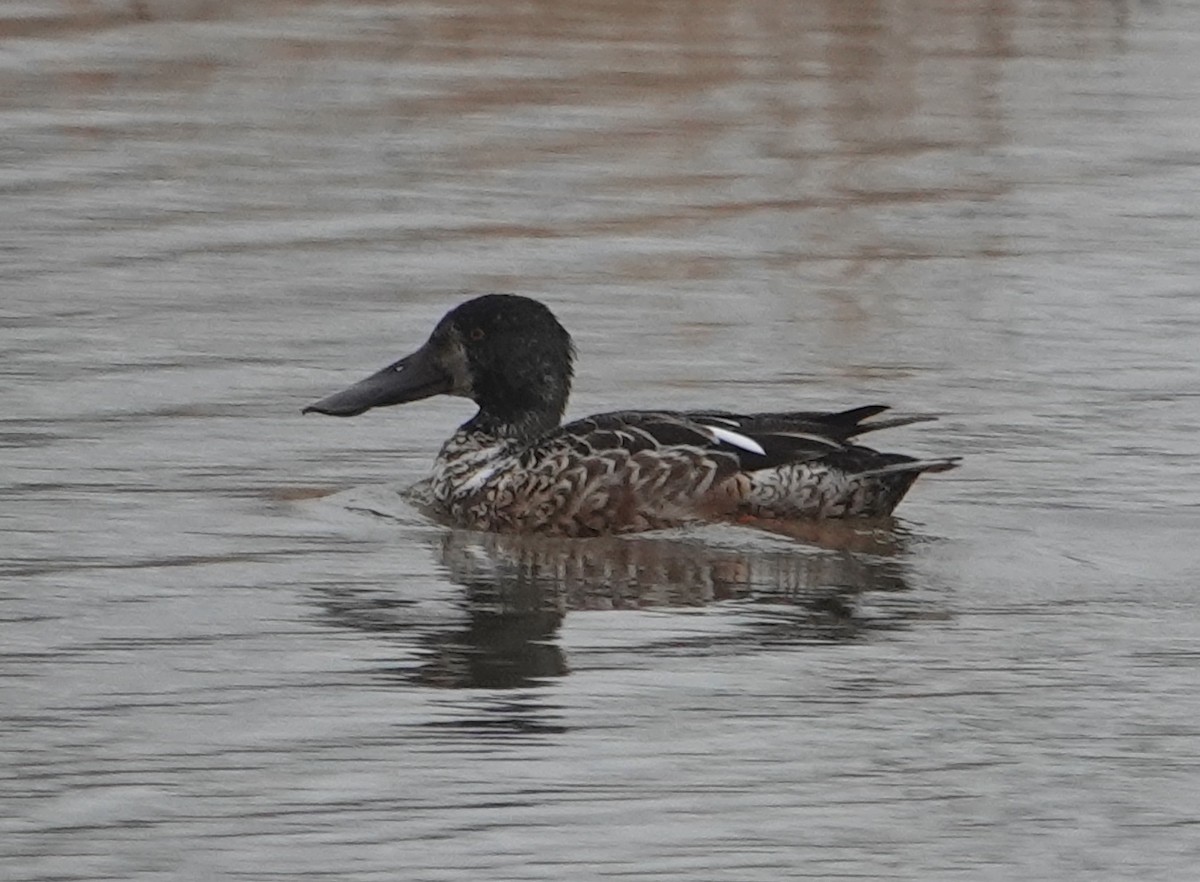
[{"x": 506, "y": 353}]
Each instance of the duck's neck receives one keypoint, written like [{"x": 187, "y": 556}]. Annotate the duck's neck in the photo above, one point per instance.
[
  {"x": 523, "y": 410},
  {"x": 520, "y": 426}
]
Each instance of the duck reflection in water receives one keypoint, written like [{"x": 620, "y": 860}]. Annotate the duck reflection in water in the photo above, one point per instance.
[{"x": 501, "y": 632}]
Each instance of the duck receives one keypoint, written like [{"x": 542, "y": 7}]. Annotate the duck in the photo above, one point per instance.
[{"x": 515, "y": 467}]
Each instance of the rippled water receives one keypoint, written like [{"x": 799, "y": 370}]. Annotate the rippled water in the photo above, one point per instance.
[{"x": 231, "y": 648}]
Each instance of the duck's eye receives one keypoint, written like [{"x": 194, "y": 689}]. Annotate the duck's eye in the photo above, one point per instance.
[{"x": 476, "y": 335}]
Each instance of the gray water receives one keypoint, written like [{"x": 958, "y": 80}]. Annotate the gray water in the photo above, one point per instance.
[{"x": 232, "y": 650}]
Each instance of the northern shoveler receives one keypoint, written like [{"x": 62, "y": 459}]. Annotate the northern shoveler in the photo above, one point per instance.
[{"x": 514, "y": 468}]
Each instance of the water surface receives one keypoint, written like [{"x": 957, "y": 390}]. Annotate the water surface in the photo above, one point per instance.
[{"x": 233, "y": 650}]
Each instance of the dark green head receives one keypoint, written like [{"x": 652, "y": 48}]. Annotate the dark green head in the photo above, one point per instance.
[{"x": 506, "y": 353}]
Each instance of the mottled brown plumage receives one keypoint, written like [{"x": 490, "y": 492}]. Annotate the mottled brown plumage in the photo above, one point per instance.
[{"x": 513, "y": 468}]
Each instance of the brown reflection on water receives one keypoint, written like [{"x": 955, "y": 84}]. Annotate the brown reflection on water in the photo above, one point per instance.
[{"x": 808, "y": 122}]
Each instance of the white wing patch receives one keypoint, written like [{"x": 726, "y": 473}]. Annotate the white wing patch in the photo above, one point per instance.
[{"x": 733, "y": 439}]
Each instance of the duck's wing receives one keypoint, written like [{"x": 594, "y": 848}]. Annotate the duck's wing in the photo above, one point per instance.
[
  {"x": 733, "y": 442},
  {"x": 839, "y": 425},
  {"x": 644, "y": 469}
]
